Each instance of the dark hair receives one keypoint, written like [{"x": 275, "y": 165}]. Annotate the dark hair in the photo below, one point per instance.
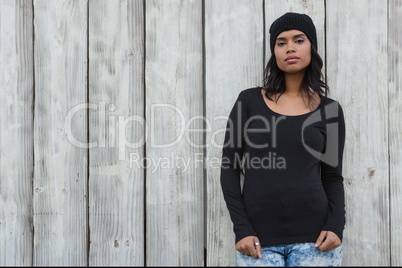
[{"x": 274, "y": 80}]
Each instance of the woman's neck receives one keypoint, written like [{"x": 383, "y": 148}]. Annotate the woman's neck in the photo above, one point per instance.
[{"x": 293, "y": 84}]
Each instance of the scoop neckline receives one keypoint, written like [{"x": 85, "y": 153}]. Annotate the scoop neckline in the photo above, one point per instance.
[{"x": 287, "y": 116}]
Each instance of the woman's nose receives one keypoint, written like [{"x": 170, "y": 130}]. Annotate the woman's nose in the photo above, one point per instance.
[{"x": 290, "y": 49}]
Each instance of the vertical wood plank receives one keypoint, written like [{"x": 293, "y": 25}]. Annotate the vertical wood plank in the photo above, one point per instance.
[
  {"x": 395, "y": 127},
  {"x": 357, "y": 74},
  {"x": 116, "y": 129},
  {"x": 16, "y": 132},
  {"x": 234, "y": 33},
  {"x": 174, "y": 100},
  {"x": 60, "y": 182},
  {"x": 315, "y": 9}
]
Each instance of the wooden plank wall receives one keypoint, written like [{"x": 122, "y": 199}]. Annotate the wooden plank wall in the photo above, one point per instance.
[
  {"x": 116, "y": 89},
  {"x": 60, "y": 168},
  {"x": 88, "y": 89},
  {"x": 359, "y": 80},
  {"x": 16, "y": 133},
  {"x": 174, "y": 98},
  {"x": 395, "y": 127}
]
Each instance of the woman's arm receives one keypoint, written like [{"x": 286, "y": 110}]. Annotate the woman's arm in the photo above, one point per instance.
[
  {"x": 331, "y": 169},
  {"x": 232, "y": 153}
]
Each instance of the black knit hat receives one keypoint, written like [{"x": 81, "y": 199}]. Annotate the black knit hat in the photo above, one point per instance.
[{"x": 290, "y": 21}]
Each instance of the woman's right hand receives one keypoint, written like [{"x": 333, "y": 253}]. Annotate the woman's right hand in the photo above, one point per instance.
[{"x": 248, "y": 246}]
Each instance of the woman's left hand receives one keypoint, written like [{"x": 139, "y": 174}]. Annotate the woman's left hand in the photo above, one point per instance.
[{"x": 327, "y": 241}]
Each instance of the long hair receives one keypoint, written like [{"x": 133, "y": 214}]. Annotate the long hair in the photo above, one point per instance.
[{"x": 274, "y": 79}]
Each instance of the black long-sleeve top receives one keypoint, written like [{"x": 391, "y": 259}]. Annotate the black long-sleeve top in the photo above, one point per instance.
[{"x": 293, "y": 184}]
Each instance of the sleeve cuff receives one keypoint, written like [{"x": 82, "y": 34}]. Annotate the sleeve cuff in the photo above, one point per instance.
[
  {"x": 243, "y": 235},
  {"x": 337, "y": 231}
]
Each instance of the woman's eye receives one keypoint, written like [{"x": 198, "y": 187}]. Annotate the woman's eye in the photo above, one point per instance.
[
  {"x": 299, "y": 41},
  {"x": 281, "y": 44}
]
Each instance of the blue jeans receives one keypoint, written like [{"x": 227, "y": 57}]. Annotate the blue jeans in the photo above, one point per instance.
[{"x": 297, "y": 254}]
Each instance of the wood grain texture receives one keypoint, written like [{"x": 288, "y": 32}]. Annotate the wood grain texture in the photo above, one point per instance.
[
  {"x": 174, "y": 203},
  {"x": 234, "y": 33},
  {"x": 357, "y": 74},
  {"x": 46, "y": 216},
  {"x": 116, "y": 88},
  {"x": 16, "y": 133},
  {"x": 60, "y": 182},
  {"x": 315, "y": 9},
  {"x": 395, "y": 127}
]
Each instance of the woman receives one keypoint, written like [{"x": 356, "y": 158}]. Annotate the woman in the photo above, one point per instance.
[{"x": 288, "y": 139}]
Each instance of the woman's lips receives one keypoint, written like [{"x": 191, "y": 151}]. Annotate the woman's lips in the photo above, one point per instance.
[{"x": 292, "y": 59}]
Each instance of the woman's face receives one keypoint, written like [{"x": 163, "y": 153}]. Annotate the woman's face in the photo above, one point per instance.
[{"x": 292, "y": 51}]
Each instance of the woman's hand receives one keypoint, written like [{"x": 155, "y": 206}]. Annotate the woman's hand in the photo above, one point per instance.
[
  {"x": 328, "y": 241},
  {"x": 248, "y": 246}
]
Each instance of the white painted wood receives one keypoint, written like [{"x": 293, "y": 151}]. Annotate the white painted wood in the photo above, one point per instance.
[
  {"x": 357, "y": 74},
  {"x": 395, "y": 126},
  {"x": 315, "y": 9},
  {"x": 60, "y": 178},
  {"x": 234, "y": 61},
  {"x": 116, "y": 88},
  {"x": 174, "y": 191},
  {"x": 16, "y": 133},
  {"x": 362, "y": 61}
]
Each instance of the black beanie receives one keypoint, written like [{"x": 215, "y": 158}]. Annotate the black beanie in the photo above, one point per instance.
[{"x": 290, "y": 21}]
